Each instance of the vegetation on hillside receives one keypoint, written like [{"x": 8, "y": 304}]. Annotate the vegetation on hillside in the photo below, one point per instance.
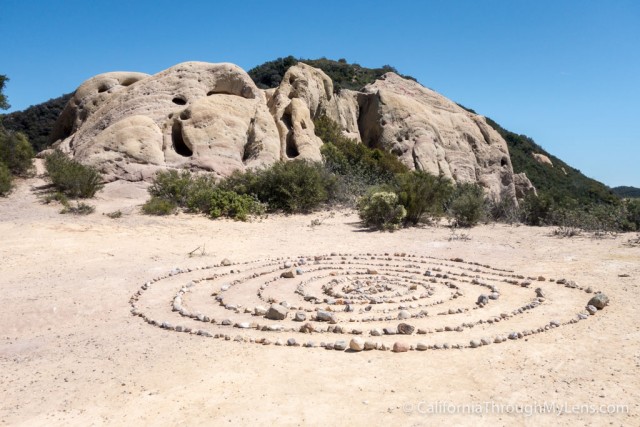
[
  {"x": 343, "y": 74},
  {"x": 37, "y": 121},
  {"x": 626, "y": 192}
]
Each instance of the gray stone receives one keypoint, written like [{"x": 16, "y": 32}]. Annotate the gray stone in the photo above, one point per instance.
[
  {"x": 259, "y": 310},
  {"x": 475, "y": 343},
  {"x": 370, "y": 345},
  {"x": 340, "y": 345},
  {"x": 376, "y": 332},
  {"x": 591, "y": 309},
  {"x": 482, "y": 300},
  {"x": 225, "y": 262},
  {"x": 405, "y": 329},
  {"x": 288, "y": 274},
  {"x": 276, "y": 312},
  {"x": 300, "y": 316},
  {"x": 599, "y": 301},
  {"x": 422, "y": 346},
  {"x": 325, "y": 316}
]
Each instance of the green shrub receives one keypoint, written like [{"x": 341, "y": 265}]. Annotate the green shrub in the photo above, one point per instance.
[
  {"x": 233, "y": 205},
  {"x": 5, "y": 180},
  {"x": 381, "y": 210},
  {"x": 503, "y": 210},
  {"x": 79, "y": 209},
  {"x": 536, "y": 210},
  {"x": 171, "y": 185},
  {"x": 350, "y": 158},
  {"x": 56, "y": 197},
  {"x": 16, "y": 152},
  {"x": 71, "y": 177},
  {"x": 293, "y": 186},
  {"x": 158, "y": 206},
  {"x": 422, "y": 194},
  {"x": 467, "y": 204}
]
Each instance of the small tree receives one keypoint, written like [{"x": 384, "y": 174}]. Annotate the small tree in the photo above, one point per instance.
[
  {"x": 4, "y": 104},
  {"x": 422, "y": 194},
  {"x": 381, "y": 210}
]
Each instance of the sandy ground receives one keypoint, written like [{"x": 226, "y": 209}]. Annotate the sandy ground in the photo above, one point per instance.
[{"x": 71, "y": 353}]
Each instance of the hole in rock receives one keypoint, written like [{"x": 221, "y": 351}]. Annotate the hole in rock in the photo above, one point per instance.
[
  {"x": 292, "y": 150},
  {"x": 179, "y": 100},
  {"x": 179, "y": 145},
  {"x": 504, "y": 161}
]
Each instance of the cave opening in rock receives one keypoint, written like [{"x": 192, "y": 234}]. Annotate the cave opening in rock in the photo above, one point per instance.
[
  {"x": 179, "y": 100},
  {"x": 177, "y": 140},
  {"x": 504, "y": 161}
]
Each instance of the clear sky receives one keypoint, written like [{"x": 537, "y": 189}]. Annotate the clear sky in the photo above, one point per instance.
[{"x": 566, "y": 73}]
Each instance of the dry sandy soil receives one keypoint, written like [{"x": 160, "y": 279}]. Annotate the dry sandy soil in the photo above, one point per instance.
[{"x": 71, "y": 352}]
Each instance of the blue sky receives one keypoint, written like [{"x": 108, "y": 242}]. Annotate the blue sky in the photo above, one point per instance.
[{"x": 566, "y": 73}]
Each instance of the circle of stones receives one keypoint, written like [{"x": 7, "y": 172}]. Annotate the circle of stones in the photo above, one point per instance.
[{"x": 372, "y": 287}]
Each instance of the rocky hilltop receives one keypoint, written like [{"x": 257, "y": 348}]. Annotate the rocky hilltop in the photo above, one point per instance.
[{"x": 213, "y": 117}]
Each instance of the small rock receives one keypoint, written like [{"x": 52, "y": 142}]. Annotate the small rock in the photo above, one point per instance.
[
  {"x": 589, "y": 290},
  {"x": 599, "y": 301},
  {"x": 340, "y": 345},
  {"x": 276, "y": 312},
  {"x": 259, "y": 310},
  {"x": 475, "y": 343},
  {"x": 400, "y": 347},
  {"x": 405, "y": 329},
  {"x": 513, "y": 336},
  {"x": 288, "y": 264},
  {"x": 288, "y": 274},
  {"x": 370, "y": 345},
  {"x": 482, "y": 300},
  {"x": 592, "y": 310},
  {"x": 356, "y": 344},
  {"x": 307, "y": 328},
  {"x": 404, "y": 314},
  {"x": 376, "y": 332},
  {"x": 390, "y": 331},
  {"x": 422, "y": 346},
  {"x": 291, "y": 342},
  {"x": 325, "y": 316},
  {"x": 485, "y": 341},
  {"x": 225, "y": 262},
  {"x": 540, "y": 293},
  {"x": 300, "y": 316}
]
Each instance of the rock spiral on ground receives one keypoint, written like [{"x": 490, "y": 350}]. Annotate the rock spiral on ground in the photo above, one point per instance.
[{"x": 358, "y": 302}]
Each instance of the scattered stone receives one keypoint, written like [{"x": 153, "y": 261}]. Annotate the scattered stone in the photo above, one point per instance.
[
  {"x": 300, "y": 316},
  {"x": 422, "y": 346},
  {"x": 400, "y": 347},
  {"x": 390, "y": 331},
  {"x": 376, "y": 332},
  {"x": 291, "y": 342},
  {"x": 259, "y": 310},
  {"x": 307, "y": 328},
  {"x": 599, "y": 301},
  {"x": 405, "y": 329},
  {"x": 356, "y": 344},
  {"x": 225, "y": 262},
  {"x": 326, "y": 316},
  {"x": 288, "y": 274},
  {"x": 592, "y": 310},
  {"x": 340, "y": 345},
  {"x": 475, "y": 343},
  {"x": 589, "y": 290},
  {"x": 513, "y": 336},
  {"x": 482, "y": 300},
  {"x": 485, "y": 341},
  {"x": 288, "y": 264},
  {"x": 276, "y": 312},
  {"x": 404, "y": 314}
]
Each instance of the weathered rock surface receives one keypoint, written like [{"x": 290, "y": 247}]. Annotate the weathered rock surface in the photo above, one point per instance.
[
  {"x": 430, "y": 132},
  {"x": 542, "y": 159},
  {"x": 212, "y": 117},
  {"x": 523, "y": 185}
]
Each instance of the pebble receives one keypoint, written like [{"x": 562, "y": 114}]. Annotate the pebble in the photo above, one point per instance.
[
  {"x": 340, "y": 345},
  {"x": 259, "y": 310},
  {"x": 482, "y": 300},
  {"x": 400, "y": 347},
  {"x": 599, "y": 301},
  {"x": 376, "y": 332},
  {"x": 475, "y": 343},
  {"x": 404, "y": 314},
  {"x": 422, "y": 346},
  {"x": 592, "y": 310},
  {"x": 288, "y": 274},
  {"x": 325, "y": 316},
  {"x": 300, "y": 316},
  {"x": 370, "y": 345},
  {"x": 405, "y": 329},
  {"x": 356, "y": 344},
  {"x": 276, "y": 312},
  {"x": 225, "y": 262}
]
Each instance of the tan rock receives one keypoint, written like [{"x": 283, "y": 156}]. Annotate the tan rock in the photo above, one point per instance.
[
  {"x": 195, "y": 115},
  {"x": 430, "y": 132},
  {"x": 523, "y": 185},
  {"x": 542, "y": 159}
]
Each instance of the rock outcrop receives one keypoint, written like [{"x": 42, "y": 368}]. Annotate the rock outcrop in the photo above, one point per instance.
[
  {"x": 542, "y": 159},
  {"x": 523, "y": 185},
  {"x": 212, "y": 117},
  {"x": 430, "y": 132}
]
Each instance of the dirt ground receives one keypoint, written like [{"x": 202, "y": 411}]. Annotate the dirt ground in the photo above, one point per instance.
[{"x": 71, "y": 352}]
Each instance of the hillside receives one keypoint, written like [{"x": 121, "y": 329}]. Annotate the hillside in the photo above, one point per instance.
[
  {"x": 562, "y": 183},
  {"x": 36, "y": 121},
  {"x": 626, "y": 192},
  {"x": 344, "y": 75}
]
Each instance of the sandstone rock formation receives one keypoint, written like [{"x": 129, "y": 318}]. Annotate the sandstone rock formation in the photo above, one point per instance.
[
  {"x": 196, "y": 115},
  {"x": 430, "y": 132},
  {"x": 523, "y": 185},
  {"x": 212, "y": 117}
]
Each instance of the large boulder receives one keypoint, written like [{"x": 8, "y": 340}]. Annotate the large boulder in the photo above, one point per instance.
[
  {"x": 430, "y": 132},
  {"x": 196, "y": 115}
]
